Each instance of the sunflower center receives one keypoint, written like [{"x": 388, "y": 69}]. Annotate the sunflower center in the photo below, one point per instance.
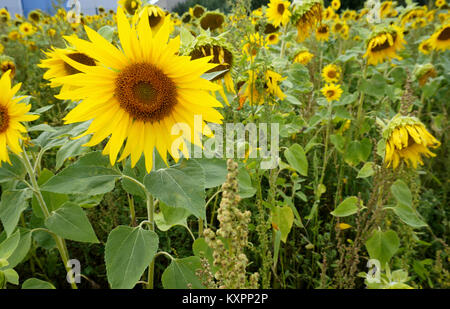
[
  {"x": 4, "y": 119},
  {"x": 198, "y": 11},
  {"x": 444, "y": 35},
  {"x": 272, "y": 37},
  {"x": 80, "y": 58},
  {"x": 154, "y": 20},
  {"x": 385, "y": 45},
  {"x": 145, "y": 92},
  {"x": 323, "y": 29},
  {"x": 280, "y": 8},
  {"x": 332, "y": 74},
  {"x": 330, "y": 93},
  {"x": 338, "y": 27}
]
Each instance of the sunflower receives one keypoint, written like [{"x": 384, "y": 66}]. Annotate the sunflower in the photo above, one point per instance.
[
  {"x": 303, "y": 57},
  {"x": 425, "y": 47},
  {"x": 12, "y": 113},
  {"x": 2, "y": 48},
  {"x": 278, "y": 12},
  {"x": 253, "y": 45},
  {"x": 440, "y": 40},
  {"x": 328, "y": 13},
  {"x": 141, "y": 94},
  {"x": 440, "y": 3},
  {"x": 34, "y": 16},
  {"x": 385, "y": 8},
  {"x": 251, "y": 90},
  {"x": 4, "y": 15},
  {"x": 424, "y": 72},
  {"x": 198, "y": 11},
  {"x": 272, "y": 39},
  {"x": 101, "y": 10},
  {"x": 156, "y": 16},
  {"x": 272, "y": 80},
  {"x": 332, "y": 92},
  {"x": 384, "y": 44},
  {"x": 331, "y": 73},
  {"x": 306, "y": 17},
  {"x": 338, "y": 26},
  {"x": 335, "y": 4},
  {"x": 212, "y": 20},
  {"x": 131, "y": 6},
  {"x": 407, "y": 139},
  {"x": 58, "y": 67},
  {"x": 7, "y": 64},
  {"x": 27, "y": 29},
  {"x": 348, "y": 15},
  {"x": 430, "y": 15},
  {"x": 323, "y": 32},
  {"x": 419, "y": 23}
]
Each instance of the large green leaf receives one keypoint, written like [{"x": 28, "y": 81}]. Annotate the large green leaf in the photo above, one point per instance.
[
  {"x": 401, "y": 193},
  {"x": 22, "y": 248},
  {"x": 70, "y": 222},
  {"x": 12, "y": 204},
  {"x": 70, "y": 149},
  {"x": 181, "y": 186},
  {"x": 37, "y": 284},
  {"x": 296, "y": 157},
  {"x": 283, "y": 219},
  {"x": 89, "y": 176},
  {"x": 408, "y": 215},
  {"x": 128, "y": 253},
  {"x": 246, "y": 189},
  {"x": 181, "y": 274},
  {"x": 12, "y": 172},
  {"x": 8, "y": 246},
  {"x": 170, "y": 216},
  {"x": 215, "y": 171},
  {"x": 348, "y": 207},
  {"x": 382, "y": 246}
]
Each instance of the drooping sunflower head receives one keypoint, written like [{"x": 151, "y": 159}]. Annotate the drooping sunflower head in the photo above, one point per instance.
[
  {"x": 130, "y": 6},
  {"x": 440, "y": 40},
  {"x": 142, "y": 96},
  {"x": 4, "y": 15},
  {"x": 306, "y": 17},
  {"x": 303, "y": 56},
  {"x": 212, "y": 20},
  {"x": 198, "y": 11},
  {"x": 13, "y": 112},
  {"x": 7, "y": 64},
  {"x": 27, "y": 29},
  {"x": 58, "y": 67},
  {"x": 410, "y": 14},
  {"x": 323, "y": 32},
  {"x": 336, "y": 4},
  {"x": 332, "y": 92},
  {"x": 268, "y": 28},
  {"x": 424, "y": 72},
  {"x": 34, "y": 16},
  {"x": 278, "y": 12},
  {"x": 407, "y": 140},
  {"x": 383, "y": 44},
  {"x": 331, "y": 73}
]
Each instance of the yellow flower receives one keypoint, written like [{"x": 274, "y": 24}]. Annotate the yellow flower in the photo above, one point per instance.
[
  {"x": 335, "y": 4},
  {"x": 323, "y": 32},
  {"x": 440, "y": 40},
  {"x": 2, "y": 48},
  {"x": 331, "y": 73},
  {"x": 34, "y": 16},
  {"x": 272, "y": 80},
  {"x": 7, "y": 64},
  {"x": 4, "y": 15},
  {"x": 425, "y": 47},
  {"x": 27, "y": 29},
  {"x": 307, "y": 16},
  {"x": 407, "y": 139},
  {"x": 272, "y": 39},
  {"x": 278, "y": 12},
  {"x": 51, "y": 32},
  {"x": 138, "y": 95},
  {"x": 303, "y": 57},
  {"x": 328, "y": 13},
  {"x": 385, "y": 8},
  {"x": 14, "y": 35},
  {"x": 332, "y": 92},
  {"x": 131, "y": 6},
  {"x": 12, "y": 113},
  {"x": 383, "y": 45},
  {"x": 155, "y": 15},
  {"x": 440, "y": 3},
  {"x": 344, "y": 226}
]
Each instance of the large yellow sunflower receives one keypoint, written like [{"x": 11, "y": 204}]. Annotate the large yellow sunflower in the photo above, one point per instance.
[
  {"x": 384, "y": 44},
  {"x": 440, "y": 40},
  {"x": 27, "y": 29},
  {"x": 278, "y": 12},
  {"x": 332, "y": 92},
  {"x": 407, "y": 139},
  {"x": 140, "y": 95},
  {"x": 12, "y": 113}
]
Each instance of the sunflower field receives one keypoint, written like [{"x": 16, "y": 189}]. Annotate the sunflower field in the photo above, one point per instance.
[{"x": 298, "y": 145}]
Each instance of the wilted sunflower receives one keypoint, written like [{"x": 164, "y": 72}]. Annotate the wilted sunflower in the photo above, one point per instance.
[
  {"x": 58, "y": 67},
  {"x": 212, "y": 20},
  {"x": 27, "y": 29},
  {"x": 331, "y": 73},
  {"x": 306, "y": 17},
  {"x": 12, "y": 113},
  {"x": 198, "y": 11},
  {"x": 278, "y": 12},
  {"x": 140, "y": 94},
  {"x": 4, "y": 15},
  {"x": 8, "y": 64},
  {"x": 425, "y": 47},
  {"x": 332, "y": 92},
  {"x": 156, "y": 16},
  {"x": 440, "y": 40},
  {"x": 323, "y": 32},
  {"x": 272, "y": 39},
  {"x": 303, "y": 56},
  {"x": 186, "y": 18},
  {"x": 130, "y": 6},
  {"x": 424, "y": 72},
  {"x": 383, "y": 45},
  {"x": 407, "y": 139},
  {"x": 335, "y": 4}
]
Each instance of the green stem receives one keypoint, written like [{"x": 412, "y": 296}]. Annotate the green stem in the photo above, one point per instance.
[
  {"x": 60, "y": 243},
  {"x": 150, "y": 215}
]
